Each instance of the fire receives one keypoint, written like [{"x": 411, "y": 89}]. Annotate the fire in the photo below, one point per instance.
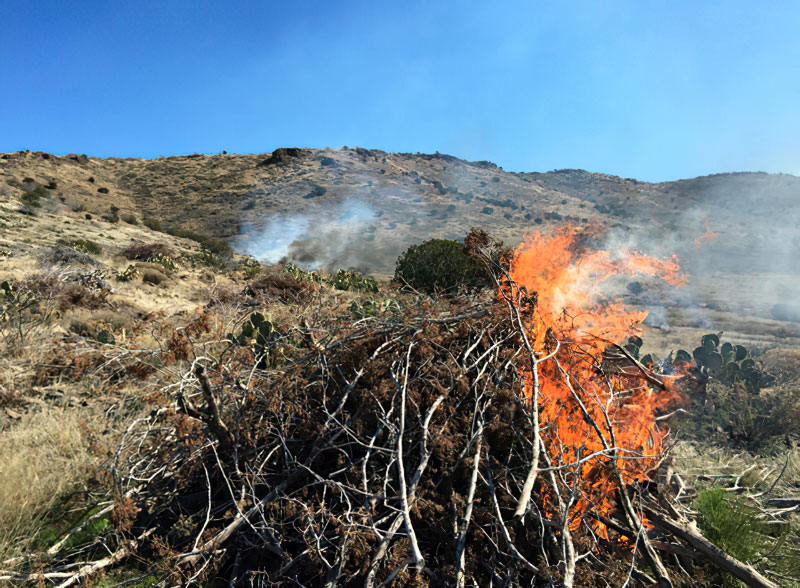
[
  {"x": 585, "y": 411},
  {"x": 708, "y": 235}
]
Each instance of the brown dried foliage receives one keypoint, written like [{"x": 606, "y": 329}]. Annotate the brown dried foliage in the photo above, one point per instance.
[
  {"x": 148, "y": 251},
  {"x": 279, "y": 287},
  {"x": 315, "y": 442}
]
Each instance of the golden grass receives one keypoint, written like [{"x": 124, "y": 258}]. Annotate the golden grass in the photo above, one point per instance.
[
  {"x": 42, "y": 457},
  {"x": 707, "y": 464}
]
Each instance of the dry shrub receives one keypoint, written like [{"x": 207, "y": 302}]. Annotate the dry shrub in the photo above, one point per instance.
[
  {"x": 755, "y": 420},
  {"x": 45, "y": 286},
  {"x": 63, "y": 255},
  {"x": 148, "y": 251},
  {"x": 77, "y": 295},
  {"x": 104, "y": 318},
  {"x": 124, "y": 513},
  {"x": 8, "y": 395},
  {"x": 155, "y": 253},
  {"x": 43, "y": 457},
  {"x": 784, "y": 364},
  {"x": 219, "y": 295},
  {"x": 754, "y": 417},
  {"x": 153, "y": 277},
  {"x": 83, "y": 245},
  {"x": 290, "y": 407},
  {"x": 280, "y": 287},
  {"x": 66, "y": 291}
]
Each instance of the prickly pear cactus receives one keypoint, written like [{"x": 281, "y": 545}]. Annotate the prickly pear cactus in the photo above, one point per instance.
[
  {"x": 681, "y": 357},
  {"x": 632, "y": 346},
  {"x": 105, "y": 336},
  {"x": 649, "y": 361},
  {"x": 260, "y": 334},
  {"x": 350, "y": 280},
  {"x": 728, "y": 363},
  {"x": 373, "y": 307},
  {"x": 300, "y": 274},
  {"x": 128, "y": 274}
]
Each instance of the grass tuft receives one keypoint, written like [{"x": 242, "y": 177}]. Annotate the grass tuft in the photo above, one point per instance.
[{"x": 42, "y": 458}]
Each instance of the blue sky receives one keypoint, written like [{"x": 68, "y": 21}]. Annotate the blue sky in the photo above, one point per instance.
[{"x": 652, "y": 90}]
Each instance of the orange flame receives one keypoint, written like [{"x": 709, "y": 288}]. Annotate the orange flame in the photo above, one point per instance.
[
  {"x": 617, "y": 402},
  {"x": 708, "y": 235}
]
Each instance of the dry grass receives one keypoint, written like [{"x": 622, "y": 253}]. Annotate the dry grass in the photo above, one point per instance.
[
  {"x": 715, "y": 465},
  {"x": 42, "y": 457},
  {"x": 783, "y": 364}
]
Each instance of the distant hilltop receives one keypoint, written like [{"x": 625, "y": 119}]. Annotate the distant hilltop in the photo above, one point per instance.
[{"x": 411, "y": 197}]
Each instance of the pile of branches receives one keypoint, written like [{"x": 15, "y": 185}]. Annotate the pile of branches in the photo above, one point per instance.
[{"x": 394, "y": 450}]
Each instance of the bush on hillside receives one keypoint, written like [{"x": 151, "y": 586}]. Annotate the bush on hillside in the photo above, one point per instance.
[
  {"x": 61, "y": 254},
  {"x": 67, "y": 289},
  {"x": 154, "y": 253},
  {"x": 279, "y": 287},
  {"x": 441, "y": 266},
  {"x": 84, "y": 246},
  {"x": 754, "y": 421},
  {"x": 128, "y": 274},
  {"x": 153, "y": 277},
  {"x": 33, "y": 197},
  {"x": 152, "y": 223},
  {"x": 112, "y": 216},
  {"x": 211, "y": 244}
]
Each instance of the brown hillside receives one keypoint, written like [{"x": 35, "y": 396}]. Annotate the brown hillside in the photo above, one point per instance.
[{"x": 729, "y": 230}]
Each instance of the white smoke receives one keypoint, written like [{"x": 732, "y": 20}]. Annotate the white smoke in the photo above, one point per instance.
[{"x": 323, "y": 239}]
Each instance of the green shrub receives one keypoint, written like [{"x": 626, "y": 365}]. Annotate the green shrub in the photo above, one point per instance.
[
  {"x": 738, "y": 529},
  {"x": 112, "y": 216},
  {"x": 33, "y": 197},
  {"x": 152, "y": 223},
  {"x": 252, "y": 269},
  {"x": 211, "y": 244},
  {"x": 441, "y": 266},
  {"x": 129, "y": 218},
  {"x": 730, "y": 524}
]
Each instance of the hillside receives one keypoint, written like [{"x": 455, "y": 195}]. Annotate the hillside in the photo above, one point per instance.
[
  {"x": 409, "y": 197},
  {"x": 736, "y": 235},
  {"x": 155, "y": 386}
]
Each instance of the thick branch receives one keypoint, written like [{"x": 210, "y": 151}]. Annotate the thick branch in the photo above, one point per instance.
[{"x": 685, "y": 530}]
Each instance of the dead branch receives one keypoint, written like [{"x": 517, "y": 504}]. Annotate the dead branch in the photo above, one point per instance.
[{"x": 464, "y": 525}]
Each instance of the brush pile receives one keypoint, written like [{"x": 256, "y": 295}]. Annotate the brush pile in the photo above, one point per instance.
[{"x": 499, "y": 444}]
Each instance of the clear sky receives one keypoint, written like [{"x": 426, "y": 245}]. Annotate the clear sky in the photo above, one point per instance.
[{"x": 645, "y": 89}]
